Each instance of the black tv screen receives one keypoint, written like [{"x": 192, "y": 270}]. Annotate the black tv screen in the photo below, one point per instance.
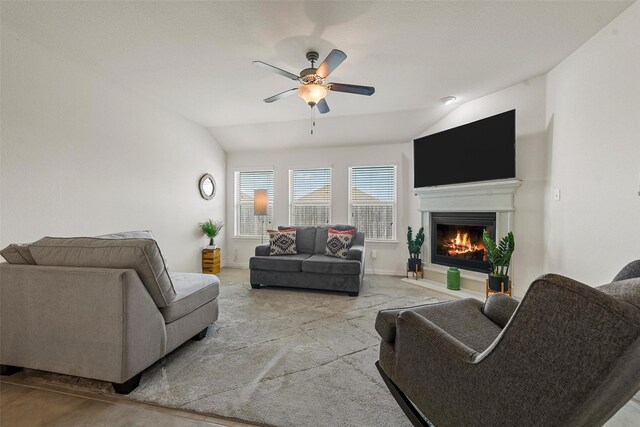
[{"x": 478, "y": 151}]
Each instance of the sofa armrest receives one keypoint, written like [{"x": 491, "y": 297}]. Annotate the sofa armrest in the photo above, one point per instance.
[
  {"x": 425, "y": 333},
  {"x": 387, "y": 320},
  {"x": 263, "y": 250},
  {"x": 97, "y": 323},
  {"x": 499, "y": 308},
  {"x": 356, "y": 253}
]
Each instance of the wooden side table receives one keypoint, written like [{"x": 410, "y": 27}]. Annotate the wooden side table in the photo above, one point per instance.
[
  {"x": 211, "y": 261},
  {"x": 502, "y": 291}
]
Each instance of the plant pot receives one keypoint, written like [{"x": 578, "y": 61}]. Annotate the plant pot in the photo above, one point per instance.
[
  {"x": 495, "y": 283},
  {"x": 414, "y": 264},
  {"x": 212, "y": 242}
]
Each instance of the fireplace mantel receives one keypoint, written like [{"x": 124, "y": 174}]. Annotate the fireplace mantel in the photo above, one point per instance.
[{"x": 491, "y": 196}]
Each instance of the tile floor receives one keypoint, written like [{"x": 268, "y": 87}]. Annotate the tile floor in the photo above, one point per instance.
[{"x": 28, "y": 404}]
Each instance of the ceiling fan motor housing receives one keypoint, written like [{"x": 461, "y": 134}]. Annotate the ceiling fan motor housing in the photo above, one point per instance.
[{"x": 312, "y": 57}]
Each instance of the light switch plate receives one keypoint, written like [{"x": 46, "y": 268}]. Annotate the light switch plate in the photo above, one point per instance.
[{"x": 556, "y": 194}]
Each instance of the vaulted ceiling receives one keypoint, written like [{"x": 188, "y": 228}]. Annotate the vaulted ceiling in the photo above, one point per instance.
[{"x": 194, "y": 58}]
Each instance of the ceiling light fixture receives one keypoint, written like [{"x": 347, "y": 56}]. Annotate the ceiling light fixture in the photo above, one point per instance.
[
  {"x": 448, "y": 100},
  {"x": 312, "y": 93}
]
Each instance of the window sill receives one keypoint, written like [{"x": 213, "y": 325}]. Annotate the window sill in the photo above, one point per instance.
[
  {"x": 250, "y": 238},
  {"x": 392, "y": 242}
]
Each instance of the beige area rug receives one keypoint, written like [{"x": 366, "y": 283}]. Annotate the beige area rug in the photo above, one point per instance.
[{"x": 280, "y": 357}]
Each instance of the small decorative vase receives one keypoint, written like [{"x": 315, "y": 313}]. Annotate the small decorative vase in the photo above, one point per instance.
[
  {"x": 212, "y": 243},
  {"x": 453, "y": 279}
]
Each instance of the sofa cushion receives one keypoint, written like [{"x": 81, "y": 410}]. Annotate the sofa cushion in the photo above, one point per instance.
[
  {"x": 330, "y": 265},
  {"x": 138, "y": 234},
  {"x": 339, "y": 242},
  {"x": 323, "y": 232},
  {"x": 305, "y": 238},
  {"x": 278, "y": 263},
  {"x": 282, "y": 242},
  {"x": 193, "y": 290},
  {"x": 141, "y": 255},
  {"x": 18, "y": 253}
]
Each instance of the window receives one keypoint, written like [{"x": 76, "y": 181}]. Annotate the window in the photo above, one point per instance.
[
  {"x": 246, "y": 223},
  {"x": 372, "y": 201},
  {"x": 310, "y": 196}
]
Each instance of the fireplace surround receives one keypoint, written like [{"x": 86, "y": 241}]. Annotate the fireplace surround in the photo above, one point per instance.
[{"x": 489, "y": 197}]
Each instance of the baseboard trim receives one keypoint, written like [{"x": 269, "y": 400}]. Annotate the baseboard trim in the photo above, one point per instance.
[{"x": 244, "y": 266}]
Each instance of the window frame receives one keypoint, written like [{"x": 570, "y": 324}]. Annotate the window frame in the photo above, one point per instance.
[
  {"x": 394, "y": 204},
  {"x": 329, "y": 204},
  {"x": 237, "y": 203}
]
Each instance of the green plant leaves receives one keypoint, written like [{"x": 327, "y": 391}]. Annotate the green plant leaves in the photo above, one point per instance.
[
  {"x": 210, "y": 228},
  {"x": 415, "y": 245},
  {"x": 499, "y": 255}
]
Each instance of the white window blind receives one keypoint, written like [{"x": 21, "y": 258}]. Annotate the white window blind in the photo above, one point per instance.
[
  {"x": 246, "y": 182},
  {"x": 310, "y": 196},
  {"x": 372, "y": 201}
]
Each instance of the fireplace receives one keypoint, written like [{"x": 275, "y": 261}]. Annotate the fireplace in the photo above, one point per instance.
[{"x": 456, "y": 239}]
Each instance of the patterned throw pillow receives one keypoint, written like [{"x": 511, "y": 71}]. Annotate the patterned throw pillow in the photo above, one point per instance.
[
  {"x": 339, "y": 242},
  {"x": 282, "y": 242}
]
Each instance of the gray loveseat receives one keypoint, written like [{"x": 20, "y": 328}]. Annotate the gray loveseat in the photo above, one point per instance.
[
  {"x": 100, "y": 308},
  {"x": 310, "y": 268}
]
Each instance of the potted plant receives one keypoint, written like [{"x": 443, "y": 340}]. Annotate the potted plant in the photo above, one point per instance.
[
  {"x": 499, "y": 257},
  {"x": 211, "y": 229},
  {"x": 415, "y": 247}
]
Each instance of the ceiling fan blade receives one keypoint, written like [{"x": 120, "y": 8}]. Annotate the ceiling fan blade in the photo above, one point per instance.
[
  {"x": 276, "y": 70},
  {"x": 322, "y": 106},
  {"x": 331, "y": 62},
  {"x": 358, "y": 90},
  {"x": 281, "y": 95}
]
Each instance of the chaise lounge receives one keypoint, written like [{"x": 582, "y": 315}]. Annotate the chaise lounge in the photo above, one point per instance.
[{"x": 100, "y": 308}]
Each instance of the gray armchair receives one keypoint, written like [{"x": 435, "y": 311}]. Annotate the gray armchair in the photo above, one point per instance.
[{"x": 568, "y": 354}]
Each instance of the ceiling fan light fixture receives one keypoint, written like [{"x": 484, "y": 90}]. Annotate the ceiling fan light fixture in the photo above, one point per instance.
[{"x": 312, "y": 93}]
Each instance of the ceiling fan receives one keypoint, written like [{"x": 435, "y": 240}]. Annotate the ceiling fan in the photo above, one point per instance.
[{"x": 313, "y": 88}]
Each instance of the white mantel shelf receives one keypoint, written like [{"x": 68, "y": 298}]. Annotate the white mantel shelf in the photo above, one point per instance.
[{"x": 496, "y": 196}]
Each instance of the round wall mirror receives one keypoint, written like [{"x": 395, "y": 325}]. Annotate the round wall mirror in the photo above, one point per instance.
[{"x": 207, "y": 186}]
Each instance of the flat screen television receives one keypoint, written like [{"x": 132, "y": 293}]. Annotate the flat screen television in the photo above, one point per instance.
[{"x": 479, "y": 151}]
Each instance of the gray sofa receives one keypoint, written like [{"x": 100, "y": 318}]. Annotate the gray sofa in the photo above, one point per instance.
[
  {"x": 310, "y": 268},
  {"x": 567, "y": 355},
  {"x": 100, "y": 308}
]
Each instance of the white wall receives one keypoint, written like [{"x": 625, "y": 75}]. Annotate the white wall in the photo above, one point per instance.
[
  {"x": 593, "y": 117},
  {"x": 528, "y": 98},
  {"x": 82, "y": 156},
  {"x": 391, "y": 257}
]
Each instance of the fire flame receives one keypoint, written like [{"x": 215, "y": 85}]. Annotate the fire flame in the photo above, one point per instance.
[{"x": 462, "y": 244}]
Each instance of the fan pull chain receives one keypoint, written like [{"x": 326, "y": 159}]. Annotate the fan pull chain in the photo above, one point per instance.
[{"x": 313, "y": 120}]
